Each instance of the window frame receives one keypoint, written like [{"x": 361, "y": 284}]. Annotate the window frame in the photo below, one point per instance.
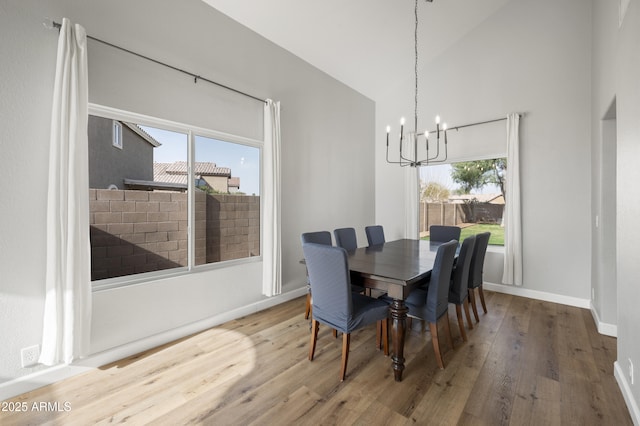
[
  {"x": 191, "y": 131},
  {"x": 116, "y": 135}
]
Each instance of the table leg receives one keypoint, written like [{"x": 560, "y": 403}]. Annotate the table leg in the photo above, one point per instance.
[{"x": 398, "y": 311}]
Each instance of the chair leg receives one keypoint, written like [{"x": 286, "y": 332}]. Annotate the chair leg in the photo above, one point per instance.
[
  {"x": 461, "y": 322},
  {"x": 379, "y": 335},
  {"x": 346, "y": 340},
  {"x": 436, "y": 344},
  {"x": 472, "y": 302},
  {"x": 307, "y": 309},
  {"x": 447, "y": 328},
  {"x": 335, "y": 333},
  {"x": 467, "y": 314},
  {"x": 484, "y": 305},
  {"x": 314, "y": 336}
]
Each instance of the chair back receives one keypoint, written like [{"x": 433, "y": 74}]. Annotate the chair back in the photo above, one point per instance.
[
  {"x": 460, "y": 275},
  {"x": 328, "y": 270},
  {"x": 346, "y": 238},
  {"x": 320, "y": 237},
  {"x": 375, "y": 235},
  {"x": 438, "y": 293},
  {"x": 444, "y": 233},
  {"x": 477, "y": 260}
]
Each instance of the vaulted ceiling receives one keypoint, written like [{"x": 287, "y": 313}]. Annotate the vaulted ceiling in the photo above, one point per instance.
[{"x": 362, "y": 43}]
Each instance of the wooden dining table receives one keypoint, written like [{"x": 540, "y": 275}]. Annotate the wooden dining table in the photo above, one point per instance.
[{"x": 395, "y": 267}]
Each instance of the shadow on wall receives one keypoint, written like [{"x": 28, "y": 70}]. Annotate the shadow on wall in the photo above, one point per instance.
[{"x": 112, "y": 256}]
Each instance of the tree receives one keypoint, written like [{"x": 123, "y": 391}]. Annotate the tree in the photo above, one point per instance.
[
  {"x": 499, "y": 174},
  {"x": 476, "y": 174},
  {"x": 469, "y": 175},
  {"x": 435, "y": 191}
]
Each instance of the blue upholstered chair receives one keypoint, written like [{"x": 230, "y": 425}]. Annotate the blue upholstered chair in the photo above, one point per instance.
[
  {"x": 346, "y": 238},
  {"x": 431, "y": 304},
  {"x": 375, "y": 235},
  {"x": 476, "y": 272},
  {"x": 334, "y": 304},
  {"x": 459, "y": 282},
  {"x": 319, "y": 237},
  {"x": 443, "y": 233}
]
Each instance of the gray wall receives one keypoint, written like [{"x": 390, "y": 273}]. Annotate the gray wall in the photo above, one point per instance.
[
  {"x": 531, "y": 57},
  {"x": 110, "y": 165},
  {"x": 603, "y": 163},
  {"x": 327, "y": 133},
  {"x": 627, "y": 91}
]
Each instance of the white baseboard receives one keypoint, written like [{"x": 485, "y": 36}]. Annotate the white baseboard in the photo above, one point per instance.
[
  {"x": 623, "y": 384},
  {"x": 56, "y": 373},
  {"x": 539, "y": 295},
  {"x": 603, "y": 327}
]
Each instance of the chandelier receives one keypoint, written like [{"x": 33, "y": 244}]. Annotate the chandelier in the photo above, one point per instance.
[{"x": 409, "y": 156}]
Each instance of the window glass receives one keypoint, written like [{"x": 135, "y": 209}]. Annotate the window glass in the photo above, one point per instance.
[
  {"x": 141, "y": 215},
  {"x": 467, "y": 194},
  {"x": 227, "y": 213},
  {"x": 117, "y": 134}
]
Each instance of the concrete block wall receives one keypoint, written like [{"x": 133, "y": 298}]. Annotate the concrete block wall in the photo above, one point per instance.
[
  {"x": 233, "y": 227},
  {"x": 142, "y": 231}
]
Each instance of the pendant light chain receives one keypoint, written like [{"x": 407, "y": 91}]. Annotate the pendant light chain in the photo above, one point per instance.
[{"x": 415, "y": 116}]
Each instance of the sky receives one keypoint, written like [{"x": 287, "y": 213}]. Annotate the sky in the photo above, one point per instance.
[
  {"x": 244, "y": 161},
  {"x": 442, "y": 174}
]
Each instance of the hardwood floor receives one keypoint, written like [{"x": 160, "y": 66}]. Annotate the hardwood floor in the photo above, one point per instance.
[{"x": 526, "y": 362}]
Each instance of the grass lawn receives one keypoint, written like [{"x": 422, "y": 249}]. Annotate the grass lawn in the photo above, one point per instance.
[{"x": 497, "y": 233}]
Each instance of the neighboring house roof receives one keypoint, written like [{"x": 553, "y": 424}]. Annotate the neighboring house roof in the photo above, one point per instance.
[
  {"x": 200, "y": 169},
  {"x": 234, "y": 182},
  {"x": 176, "y": 173},
  {"x": 481, "y": 198},
  {"x": 140, "y": 132}
]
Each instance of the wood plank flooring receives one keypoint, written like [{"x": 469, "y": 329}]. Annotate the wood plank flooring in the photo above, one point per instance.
[{"x": 526, "y": 362}]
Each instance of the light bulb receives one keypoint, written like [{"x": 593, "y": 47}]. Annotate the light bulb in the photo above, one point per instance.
[
  {"x": 402, "y": 121},
  {"x": 437, "y": 119},
  {"x": 388, "y": 129},
  {"x": 444, "y": 126}
]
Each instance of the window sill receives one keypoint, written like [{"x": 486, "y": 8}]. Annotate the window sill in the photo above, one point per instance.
[
  {"x": 495, "y": 249},
  {"x": 145, "y": 278}
]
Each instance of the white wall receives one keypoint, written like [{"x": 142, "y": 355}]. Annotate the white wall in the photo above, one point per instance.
[
  {"x": 327, "y": 131},
  {"x": 531, "y": 57},
  {"x": 627, "y": 89},
  {"x": 603, "y": 162}
]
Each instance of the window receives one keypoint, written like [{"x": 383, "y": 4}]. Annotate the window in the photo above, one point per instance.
[
  {"x": 468, "y": 194},
  {"x": 117, "y": 134},
  {"x": 154, "y": 211}
]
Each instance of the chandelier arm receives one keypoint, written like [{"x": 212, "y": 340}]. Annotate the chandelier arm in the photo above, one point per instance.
[
  {"x": 402, "y": 157},
  {"x": 435, "y": 159},
  {"x": 393, "y": 161},
  {"x": 401, "y": 162}
]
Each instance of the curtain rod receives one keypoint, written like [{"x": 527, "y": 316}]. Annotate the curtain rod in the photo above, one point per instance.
[
  {"x": 53, "y": 24},
  {"x": 476, "y": 124}
]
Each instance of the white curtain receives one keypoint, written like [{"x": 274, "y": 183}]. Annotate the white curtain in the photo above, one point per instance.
[
  {"x": 272, "y": 253},
  {"x": 512, "y": 216},
  {"x": 67, "y": 310},
  {"x": 411, "y": 202}
]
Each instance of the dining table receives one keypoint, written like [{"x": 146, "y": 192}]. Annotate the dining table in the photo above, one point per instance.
[{"x": 395, "y": 267}]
